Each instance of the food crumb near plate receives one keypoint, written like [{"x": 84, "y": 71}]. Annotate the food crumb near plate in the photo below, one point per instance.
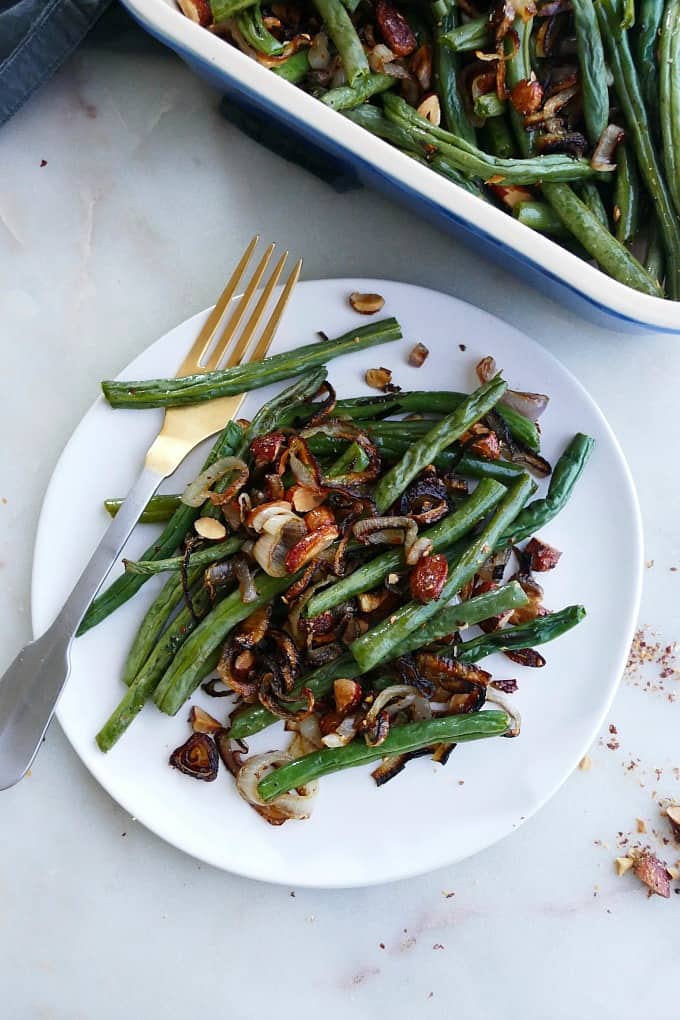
[{"x": 586, "y": 763}]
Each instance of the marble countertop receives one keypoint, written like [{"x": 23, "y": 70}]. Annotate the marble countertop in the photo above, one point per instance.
[{"x": 124, "y": 198}]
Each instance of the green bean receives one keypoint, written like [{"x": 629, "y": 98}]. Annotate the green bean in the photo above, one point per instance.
[
  {"x": 669, "y": 96},
  {"x": 450, "y": 529},
  {"x": 266, "y": 419},
  {"x": 354, "y": 458},
  {"x": 159, "y": 509},
  {"x": 477, "y": 467},
  {"x": 628, "y": 17},
  {"x": 441, "y": 435},
  {"x": 518, "y": 69},
  {"x": 614, "y": 258},
  {"x": 626, "y": 196},
  {"x": 295, "y": 69},
  {"x": 628, "y": 90},
  {"x": 650, "y": 13},
  {"x": 540, "y": 217},
  {"x": 589, "y": 194},
  {"x": 441, "y": 166},
  {"x": 473, "y": 35},
  {"x": 446, "y": 68},
  {"x": 145, "y": 682},
  {"x": 346, "y": 97},
  {"x": 654, "y": 257},
  {"x": 464, "y": 614},
  {"x": 400, "y": 740},
  {"x": 489, "y": 105},
  {"x": 251, "y": 375},
  {"x": 200, "y": 558},
  {"x": 255, "y": 32},
  {"x": 540, "y": 512},
  {"x": 222, "y": 10},
  {"x": 525, "y": 635},
  {"x": 155, "y": 619},
  {"x": 184, "y": 673},
  {"x": 473, "y": 161},
  {"x": 416, "y": 402},
  {"x": 339, "y": 26},
  {"x": 376, "y": 644},
  {"x": 593, "y": 72},
  {"x": 498, "y": 138},
  {"x": 253, "y": 718},
  {"x": 125, "y": 586}
]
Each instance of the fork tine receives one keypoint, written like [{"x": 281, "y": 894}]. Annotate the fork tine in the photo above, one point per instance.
[
  {"x": 237, "y": 352},
  {"x": 268, "y": 335},
  {"x": 202, "y": 341},
  {"x": 227, "y": 335}
]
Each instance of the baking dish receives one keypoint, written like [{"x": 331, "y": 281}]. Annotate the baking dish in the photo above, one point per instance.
[{"x": 535, "y": 258}]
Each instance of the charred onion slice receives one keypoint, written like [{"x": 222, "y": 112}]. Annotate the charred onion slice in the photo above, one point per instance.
[
  {"x": 351, "y": 434},
  {"x": 346, "y": 730},
  {"x": 326, "y": 406},
  {"x": 260, "y": 515},
  {"x": 516, "y": 720},
  {"x": 281, "y": 534},
  {"x": 450, "y": 674},
  {"x": 526, "y": 657},
  {"x": 531, "y": 405},
  {"x": 197, "y": 757},
  {"x": 393, "y": 699},
  {"x": 244, "y": 576},
  {"x": 426, "y": 500},
  {"x": 470, "y": 701},
  {"x": 275, "y": 701},
  {"x": 217, "y": 575},
  {"x": 253, "y": 628},
  {"x": 295, "y": 804},
  {"x": 310, "y": 546},
  {"x": 243, "y": 683},
  {"x": 396, "y": 763},
  {"x": 199, "y": 490},
  {"x": 393, "y": 531}
]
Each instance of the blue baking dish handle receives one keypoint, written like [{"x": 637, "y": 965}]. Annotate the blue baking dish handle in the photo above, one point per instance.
[{"x": 360, "y": 171}]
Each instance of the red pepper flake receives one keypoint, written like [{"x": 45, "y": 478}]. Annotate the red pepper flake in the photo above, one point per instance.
[
  {"x": 462, "y": 347},
  {"x": 438, "y": 945}
]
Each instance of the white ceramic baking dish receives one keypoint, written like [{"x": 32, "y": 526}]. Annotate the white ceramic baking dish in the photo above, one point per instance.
[{"x": 551, "y": 268}]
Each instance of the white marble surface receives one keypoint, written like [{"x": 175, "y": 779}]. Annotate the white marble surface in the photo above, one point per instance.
[{"x": 146, "y": 197}]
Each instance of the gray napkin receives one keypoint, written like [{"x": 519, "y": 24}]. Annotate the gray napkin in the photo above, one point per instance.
[{"x": 36, "y": 36}]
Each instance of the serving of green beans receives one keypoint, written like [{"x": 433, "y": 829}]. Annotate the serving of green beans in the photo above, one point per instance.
[{"x": 495, "y": 100}]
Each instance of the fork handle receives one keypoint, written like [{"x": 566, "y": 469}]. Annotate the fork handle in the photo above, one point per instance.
[{"x": 30, "y": 688}]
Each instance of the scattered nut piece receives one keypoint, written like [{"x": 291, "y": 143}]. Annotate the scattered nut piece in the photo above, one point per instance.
[
  {"x": 418, "y": 354},
  {"x": 202, "y": 722},
  {"x": 369, "y": 601},
  {"x": 673, "y": 872},
  {"x": 378, "y": 378},
  {"x": 653, "y": 873},
  {"x": 244, "y": 661},
  {"x": 366, "y": 304},
  {"x": 586, "y": 763},
  {"x": 673, "y": 816},
  {"x": 543, "y": 556},
  {"x": 393, "y": 578},
  {"x": 347, "y": 694},
  {"x": 623, "y": 864},
  {"x": 209, "y": 527},
  {"x": 431, "y": 110},
  {"x": 640, "y": 824}
]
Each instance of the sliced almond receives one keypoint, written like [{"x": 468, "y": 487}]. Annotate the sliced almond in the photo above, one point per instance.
[
  {"x": 673, "y": 815},
  {"x": 652, "y": 871},
  {"x": 347, "y": 694},
  {"x": 418, "y": 355},
  {"x": 623, "y": 864},
  {"x": 210, "y": 528},
  {"x": 586, "y": 763},
  {"x": 304, "y": 500},
  {"x": 203, "y": 722},
  {"x": 673, "y": 872},
  {"x": 431, "y": 110},
  {"x": 369, "y": 601},
  {"x": 640, "y": 825},
  {"x": 378, "y": 378},
  {"x": 366, "y": 304}
]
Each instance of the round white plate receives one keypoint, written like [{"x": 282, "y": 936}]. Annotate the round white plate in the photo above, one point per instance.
[{"x": 429, "y": 816}]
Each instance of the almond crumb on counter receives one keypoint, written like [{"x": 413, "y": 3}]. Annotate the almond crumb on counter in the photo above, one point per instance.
[
  {"x": 623, "y": 864},
  {"x": 378, "y": 378},
  {"x": 640, "y": 825},
  {"x": 673, "y": 816},
  {"x": 652, "y": 872},
  {"x": 586, "y": 763}
]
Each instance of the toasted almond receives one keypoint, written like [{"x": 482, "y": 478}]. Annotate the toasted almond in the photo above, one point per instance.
[
  {"x": 318, "y": 516},
  {"x": 393, "y": 578},
  {"x": 244, "y": 661},
  {"x": 347, "y": 694},
  {"x": 640, "y": 825},
  {"x": 210, "y": 528},
  {"x": 418, "y": 355},
  {"x": 366, "y": 304},
  {"x": 673, "y": 815},
  {"x": 304, "y": 500},
  {"x": 310, "y": 545},
  {"x": 586, "y": 763},
  {"x": 203, "y": 722},
  {"x": 431, "y": 110},
  {"x": 623, "y": 864},
  {"x": 673, "y": 872},
  {"x": 369, "y": 601},
  {"x": 652, "y": 871},
  {"x": 378, "y": 378}
]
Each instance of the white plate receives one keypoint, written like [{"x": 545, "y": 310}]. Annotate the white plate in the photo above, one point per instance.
[{"x": 426, "y": 818}]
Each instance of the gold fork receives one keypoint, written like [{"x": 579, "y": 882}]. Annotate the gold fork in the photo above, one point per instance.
[{"x": 30, "y": 688}]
